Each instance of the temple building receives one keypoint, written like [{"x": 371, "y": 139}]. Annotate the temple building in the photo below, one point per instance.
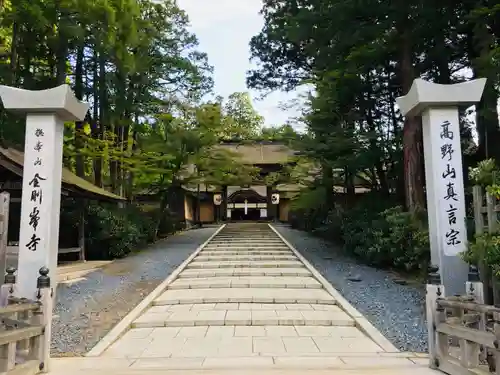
[{"x": 255, "y": 201}]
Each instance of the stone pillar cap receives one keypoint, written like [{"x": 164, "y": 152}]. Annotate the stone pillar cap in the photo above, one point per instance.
[
  {"x": 59, "y": 100},
  {"x": 424, "y": 94}
]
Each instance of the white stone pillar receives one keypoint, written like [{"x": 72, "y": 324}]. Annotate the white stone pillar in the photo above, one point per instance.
[
  {"x": 46, "y": 111},
  {"x": 438, "y": 106}
]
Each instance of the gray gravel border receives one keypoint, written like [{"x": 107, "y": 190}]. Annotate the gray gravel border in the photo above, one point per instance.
[
  {"x": 86, "y": 310},
  {"x": 397, "y": 311}
]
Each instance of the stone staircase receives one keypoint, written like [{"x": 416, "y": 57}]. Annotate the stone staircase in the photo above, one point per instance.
[{"x": 249, "y": 301}]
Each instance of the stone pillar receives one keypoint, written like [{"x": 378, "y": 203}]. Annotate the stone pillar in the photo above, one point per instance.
[
  {"x": 438, "y": 107},
  {"x": 46, "y": 111}
]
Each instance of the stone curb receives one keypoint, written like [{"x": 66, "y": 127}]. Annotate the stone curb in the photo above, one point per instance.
[
  {"x": 361, "y": 322},
  {"x": 126, "y": 322}
]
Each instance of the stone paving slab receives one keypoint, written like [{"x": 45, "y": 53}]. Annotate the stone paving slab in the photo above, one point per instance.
[
  {"x": 255, "y": 295},
  {"x": 207, "y": 272},
  {"x": 247, "y": 264},
  {"x": 247, "y": 282},
  {"x": 223, "y": 342}
]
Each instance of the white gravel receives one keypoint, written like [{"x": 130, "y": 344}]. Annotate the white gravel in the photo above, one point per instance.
[
  {"x": 86, "y": 310},
  {"x": 398, "y": 311}
]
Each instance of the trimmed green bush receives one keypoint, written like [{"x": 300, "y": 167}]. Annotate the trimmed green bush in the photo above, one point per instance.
[
  {"x": 377, "y": 235},
  {"x": 113, "y": 232}
]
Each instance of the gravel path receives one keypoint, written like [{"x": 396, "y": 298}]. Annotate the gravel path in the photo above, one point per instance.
[
  {"x": 86, "y": 310},
  {"x": 398, "y": 311}
]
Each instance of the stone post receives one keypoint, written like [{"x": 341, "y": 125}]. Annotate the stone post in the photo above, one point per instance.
[
  {"x": 438, "y": 107},
  {"x": 4, "y": 229},
  {"x": 46, "y": 111},
  {"x": 434, "y": 290}
]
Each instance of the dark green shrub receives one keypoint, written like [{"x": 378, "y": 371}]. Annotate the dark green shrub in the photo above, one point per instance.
[
  {"x": 113, "y": 232},
  {"x": 399, "y": 240},
  {"x": 377, "y": 234}
]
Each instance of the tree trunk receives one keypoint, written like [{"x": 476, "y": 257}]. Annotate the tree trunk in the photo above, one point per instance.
[
  {"x": 350, "y": 189},
  {"x": 130, "y": 179},
  {"x": 79, "y": 125},
  {"x": 62, "y": 46},
  {"x": 327, "y": 182},
  {"x": 479, "y": 40},
  {"x": 13, "y": 54},
  {"x": 412, "y": 134},
  {"x": 118, "y": 129},
  {"x": 102, "y": 92}
]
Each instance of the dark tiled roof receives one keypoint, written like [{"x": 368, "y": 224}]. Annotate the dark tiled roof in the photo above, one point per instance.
[{"x": 14, "y": 160}]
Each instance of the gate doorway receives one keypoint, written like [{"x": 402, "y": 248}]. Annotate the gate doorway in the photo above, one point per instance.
[
  {"x": 252, "y": 214},
  {"x": 247, "y": 205}
]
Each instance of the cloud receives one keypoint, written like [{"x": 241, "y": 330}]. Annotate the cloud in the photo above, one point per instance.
[
  {"x": 205, "y": 13},
  {"x": 224, "y": 29}
]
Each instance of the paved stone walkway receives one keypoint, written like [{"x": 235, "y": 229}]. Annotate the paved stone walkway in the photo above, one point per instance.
[{"x": 247, "y": 300}]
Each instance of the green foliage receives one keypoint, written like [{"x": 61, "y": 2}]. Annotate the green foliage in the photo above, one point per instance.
[
  {"x": 358, "y": 58},
  {"x": 396, "y": 239},
  {"x": 114, "y": 232},
  {"x": 485, "y": 173},
  {"x": 240, "y": 121},
  {"x": 484, "y": 249},
  {"x": 308, "y": 210},
  {"x": 388, "y": 238}
]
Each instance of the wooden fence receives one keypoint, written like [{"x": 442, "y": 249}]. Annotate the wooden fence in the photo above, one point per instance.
[
  {"x": 486, "y": 209},
  {"x": 25, "y": 327},
  {"x": 464, "y": 333}
]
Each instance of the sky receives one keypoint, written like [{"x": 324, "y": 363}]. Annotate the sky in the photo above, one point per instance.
[{"x": 224, "y": 29}]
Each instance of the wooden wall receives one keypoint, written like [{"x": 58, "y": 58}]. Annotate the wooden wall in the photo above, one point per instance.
[
  {"x": 284, "y": 209},
  {"x": 207, "y": 212},
  {"x": 188, "y": 208}
]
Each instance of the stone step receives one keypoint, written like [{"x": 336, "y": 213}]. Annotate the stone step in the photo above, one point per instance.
[
  {"x": 242, "y": 257},
  {"x": 153, "y": 319},
  {"x": 239, "y": 236},
  {"x": 244, "y": 295},
  {"x": 344, "y": 363},
  {"x": 243, "y": 306},
  {"x": 245, "y": 252},
  {"x": 246, "y": 243},
  {"x": 249, "y": 247},
  {"x": 237, "y": 239},
  {"x": 242, "y": 232},
  {"x": 213, "y": 272},
  {"x": 243, "y": 264},
  {"x": 247, "y": 282}
]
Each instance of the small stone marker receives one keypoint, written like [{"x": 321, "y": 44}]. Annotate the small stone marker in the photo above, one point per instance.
[
  {"x": 356, "y": 278},
  {"x": 438, "y": 106}
]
